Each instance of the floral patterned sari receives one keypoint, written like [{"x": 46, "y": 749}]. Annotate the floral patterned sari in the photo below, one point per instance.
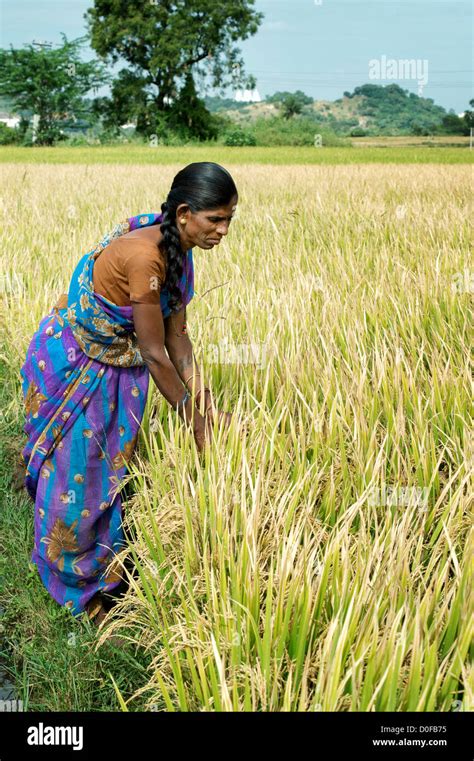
[{"x": 85, "y": 388}]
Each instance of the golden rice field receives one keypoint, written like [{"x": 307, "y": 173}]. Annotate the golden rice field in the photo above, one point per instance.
[{"x": 319, "y": 559}]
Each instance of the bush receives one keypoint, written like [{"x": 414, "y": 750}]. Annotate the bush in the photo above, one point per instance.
[
  {"x": 453, "y": 125},
  {"x": 297, "y": 131},
  {"x": 239, "y": 137},
  {"x": 81, "y": 139},
  {"x": 9, "y": 135},
  {"x": 358, "y": 132}
]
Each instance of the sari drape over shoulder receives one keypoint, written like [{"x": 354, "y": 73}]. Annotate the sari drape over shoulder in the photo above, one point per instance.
[{"x": 85, "y": 387}]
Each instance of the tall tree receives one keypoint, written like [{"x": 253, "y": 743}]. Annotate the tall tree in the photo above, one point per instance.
[
  {"x": 168, "y": 45},
  {"x": 49, "y": 83},
  {"x": 468, "y": 118},
  {"x": 293, "y": 103}
]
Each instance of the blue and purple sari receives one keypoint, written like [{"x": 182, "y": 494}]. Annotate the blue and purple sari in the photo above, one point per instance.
[{"x": 85, "y": 388}]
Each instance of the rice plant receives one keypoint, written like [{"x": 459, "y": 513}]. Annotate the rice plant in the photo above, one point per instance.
[{"x": 318, "y": 555}]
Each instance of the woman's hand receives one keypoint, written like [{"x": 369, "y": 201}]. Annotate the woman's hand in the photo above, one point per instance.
[
  {"x": 221, "y": 416},
  {"x": 201, "y": 426},
  {"x": 211, "y": 412},
  {"x": 202, "y": 432},
  {"x": 209, "y": 405}
]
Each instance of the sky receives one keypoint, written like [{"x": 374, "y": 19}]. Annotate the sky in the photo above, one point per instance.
[{"x": 322, "y": 47}]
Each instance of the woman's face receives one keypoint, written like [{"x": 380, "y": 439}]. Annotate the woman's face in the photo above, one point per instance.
[{"x": 205, "y": 228}]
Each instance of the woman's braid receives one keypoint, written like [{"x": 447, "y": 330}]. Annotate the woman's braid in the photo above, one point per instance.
[{"x": 175, "y": 257}]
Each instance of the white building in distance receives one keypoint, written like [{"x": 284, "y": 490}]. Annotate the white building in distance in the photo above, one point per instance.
[
  {"x": 248, "y": 95},
  {"x": 9, "y": 119}
]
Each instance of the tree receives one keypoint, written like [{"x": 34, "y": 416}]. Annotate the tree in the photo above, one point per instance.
[
  {"x": 127, "y": 103},
  {"x": 293, "y": 104},
  {"x": 453, "y": 125},
  {"x": 290, "y": 103},
  {"x": 49, "y": 83},
  {"x": 277, "y": 97},
  {"x": 468, "y": 118},
  {"x": 280, "y": 97},
  {"x": 188, "y": 116},
  {"x": 166, "y": 44}
]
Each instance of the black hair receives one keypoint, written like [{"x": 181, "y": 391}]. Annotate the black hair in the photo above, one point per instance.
[{"x": 201, "y": 185}]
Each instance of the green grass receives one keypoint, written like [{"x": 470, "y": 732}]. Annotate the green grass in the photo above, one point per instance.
[
  {"x": 49, "y": 656},
  {"x": 138, "y": 154}
]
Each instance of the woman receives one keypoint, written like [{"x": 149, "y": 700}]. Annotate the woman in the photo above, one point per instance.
[{"x": 86, "y": 374}]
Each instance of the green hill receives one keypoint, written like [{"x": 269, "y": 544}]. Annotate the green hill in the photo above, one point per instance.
[{"x": 369, "y": 110}]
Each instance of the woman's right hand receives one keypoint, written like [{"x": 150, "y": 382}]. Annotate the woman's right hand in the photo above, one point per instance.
[
  {"x": 191, "y": 415},
  {"x": 202, "y": 432}
]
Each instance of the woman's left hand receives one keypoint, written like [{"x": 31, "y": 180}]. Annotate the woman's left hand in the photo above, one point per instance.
[
  {"x": 211, "y": 412},
  {"x": 224, "y": 416}
]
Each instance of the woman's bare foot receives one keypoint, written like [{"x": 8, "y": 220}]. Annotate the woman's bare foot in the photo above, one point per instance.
[
  {"x": 18, "y": 475},
  {"x": 97, "y": 611}
]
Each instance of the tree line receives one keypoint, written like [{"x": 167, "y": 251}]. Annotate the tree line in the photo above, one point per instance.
[{"x": 169, "y": 49}]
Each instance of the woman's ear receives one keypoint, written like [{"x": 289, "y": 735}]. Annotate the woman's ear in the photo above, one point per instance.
[{"x": 182, "y": 212}]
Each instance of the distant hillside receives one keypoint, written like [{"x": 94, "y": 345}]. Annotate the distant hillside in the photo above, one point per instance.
[{"x": 369, "y": 110}]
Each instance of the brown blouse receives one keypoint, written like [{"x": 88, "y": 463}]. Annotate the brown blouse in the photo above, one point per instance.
[{"x": 130, "y": 270}]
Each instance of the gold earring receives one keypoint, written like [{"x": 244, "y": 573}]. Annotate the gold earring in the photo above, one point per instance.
[{"x": 183, "y": 221}]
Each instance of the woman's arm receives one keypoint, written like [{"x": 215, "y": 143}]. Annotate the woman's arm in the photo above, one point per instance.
[
  {"x": 180, "y": 351},
  {"x": 149, "y": 328}
]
